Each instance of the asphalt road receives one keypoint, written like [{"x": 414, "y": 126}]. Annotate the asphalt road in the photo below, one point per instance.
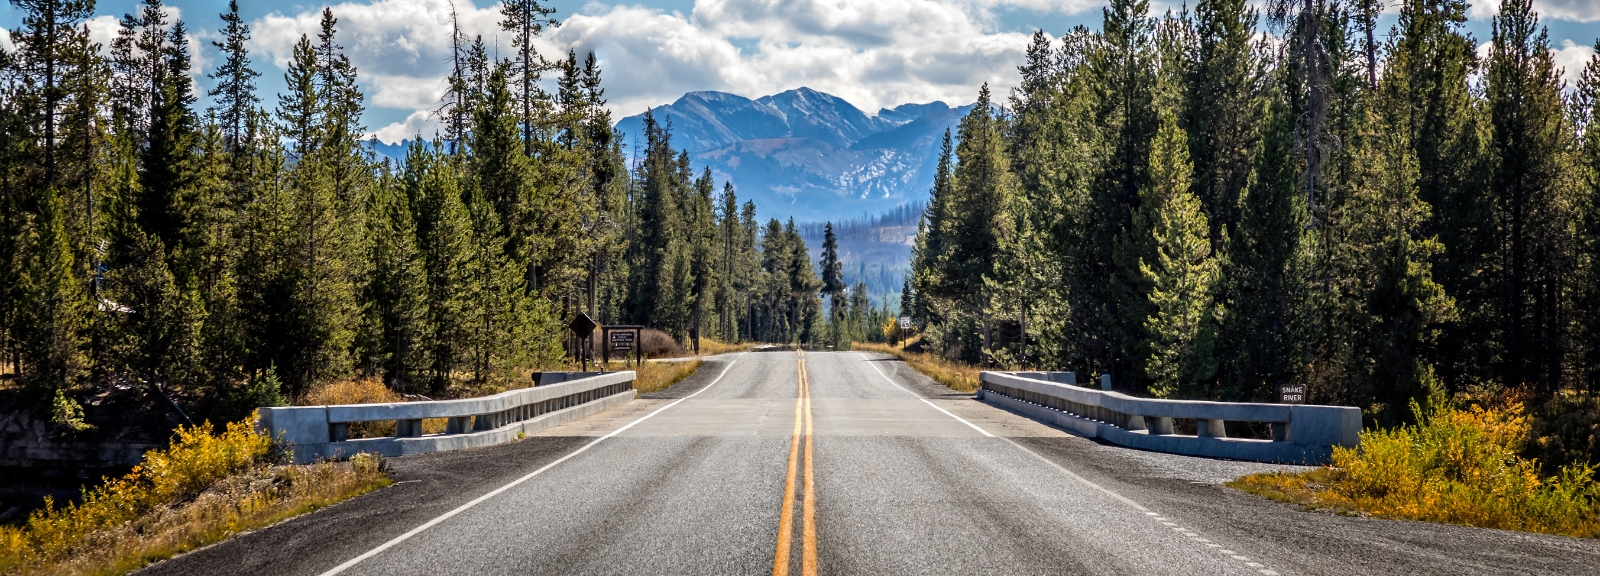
[{"x": 842, "y": 463}]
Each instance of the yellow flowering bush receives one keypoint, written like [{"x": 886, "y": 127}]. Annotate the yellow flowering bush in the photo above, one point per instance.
[
  {"x": 201, "y": 489},
  {"x": 1455, "y": 465}
]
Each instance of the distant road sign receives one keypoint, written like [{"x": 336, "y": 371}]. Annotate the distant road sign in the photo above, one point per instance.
[
  {"x": 582, "y": 325},
  {"x": 905, "y": 322},
  {"x": 1292, "y": 394},
  {"x": 622, "y": 341}
]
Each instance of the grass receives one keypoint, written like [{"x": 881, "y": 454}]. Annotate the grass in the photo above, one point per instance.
[
  {"x": 656, "y": 376},
  {"x": 365, "y": 391},
  {"x": 710, "y": 347},
  {"x": 958, "y": 376},
  {"x": 1457, "y": 465},
  {"x": 202, "y": 489}
]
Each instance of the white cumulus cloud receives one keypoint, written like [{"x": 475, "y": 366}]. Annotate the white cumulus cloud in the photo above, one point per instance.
[
  {"x": 420, "y": 123},
  {"x": 401, "y": 48},
  {"x": 103, "y": 30},
  {"x": 1571, "y": 58},
  {"x": 873, "y": 53},
  {"x": 1579, "y": 10}
]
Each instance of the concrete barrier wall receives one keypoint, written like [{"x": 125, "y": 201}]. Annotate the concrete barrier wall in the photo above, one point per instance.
[
  {"x": 1302, "y": 434},
  {"x": 318, "y": 432}
]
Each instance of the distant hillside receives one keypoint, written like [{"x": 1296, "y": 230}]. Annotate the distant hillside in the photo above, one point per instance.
[
  {"x": 395, "y": 152},
  {"x": 874, "y": 249},
  {"x": 807, "y": 154}
]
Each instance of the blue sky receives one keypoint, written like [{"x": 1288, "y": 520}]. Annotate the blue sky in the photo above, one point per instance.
[{"x": 873, "y": 53}]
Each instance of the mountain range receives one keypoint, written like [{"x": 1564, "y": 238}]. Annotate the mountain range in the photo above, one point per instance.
[{"x": 807, "y": 154}]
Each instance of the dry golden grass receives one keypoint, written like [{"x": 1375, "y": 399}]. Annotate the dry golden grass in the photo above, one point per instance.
[
  {"x": 656, "y": 376},
  {"x": 202, "y": 489},
  {"x": 353, "y": 391},
  {"x": 711, "y": 347},
  {"x": 958, "y": 376},
  {"x": 1456, "y": 466},
  {"x": 365, "y": 391}
]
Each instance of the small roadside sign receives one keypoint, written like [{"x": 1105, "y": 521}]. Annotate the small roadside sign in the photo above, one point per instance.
[
  {"x": 905, "y": 322},
  {"x": 582, "y": 325},
  {"x": 1292, "y": 394}
]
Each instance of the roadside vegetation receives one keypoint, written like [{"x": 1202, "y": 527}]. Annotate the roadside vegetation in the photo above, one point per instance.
[
  {"x": 713, "y": 347},
  {"x": 1463, "y": 462},
  {"x": 657, "y": 376},
  {"x": 957, "y": 375},
  {"x": 204, "y": 488}
]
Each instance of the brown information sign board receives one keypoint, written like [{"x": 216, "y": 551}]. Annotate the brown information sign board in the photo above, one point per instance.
[{"x": 622, "y": 341}]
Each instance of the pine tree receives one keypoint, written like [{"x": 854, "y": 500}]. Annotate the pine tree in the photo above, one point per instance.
[
  {"x": 733, "y": 288},
  {"x": 327, "y": 190},
  {"x": 929, "y": 244},
  {"x": 456, "y": 104},
  {"x": 444, "y": 235},
  {"x": 1265, "y": 270},
  {"x": 1123, "y": 81},
  {"x": 50, "y": 124},
  {"x": 703, "y": 257},
  {"x": 1425, "y": 93},
  {"x": 1586, "y": 300},
  {"x": 1018, "y": 278},
  {"x": 805, "y": 307},
  {"x": 1182, "y": 273},
  {"x": 981, "y": 184},
  {"x": 832, "y": 274},
  {"x": 526, "y": 19},
  {"x": 1398, "y": 308},
  {"x": 1221, "y": 111},
  {"x": 1528, "y": 189},
  {"x": 297, "y": 110},
  {"x": 504, "y": 326},
  {"x": 397, "y": 294},
  {"x": 167, "y": 168},
  {"x": 235, "y": 92},
  {"x": 1303, "y": 22},
  {"x": 53, "y": 309},
  {"x": 49, "y": 30},
  {"x": 500, "y": 171},
  {"x": 339, "y": 97},
  {"x": 659, "y": 233}
]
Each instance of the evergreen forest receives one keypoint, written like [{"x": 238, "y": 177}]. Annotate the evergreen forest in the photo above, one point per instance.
[
  {"x": 244, "y": 254},
  {"x": 1216, "y": 201}
]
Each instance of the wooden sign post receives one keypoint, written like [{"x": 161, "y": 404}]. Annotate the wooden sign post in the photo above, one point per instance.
[{"x": 622, "y": 339}]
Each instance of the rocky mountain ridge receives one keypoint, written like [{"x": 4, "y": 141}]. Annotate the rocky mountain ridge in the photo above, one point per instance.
[
  {"x": 802, "y": 153},
  {"x": 808, "y": 154}
]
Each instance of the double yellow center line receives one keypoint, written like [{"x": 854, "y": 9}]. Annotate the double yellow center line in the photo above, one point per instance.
[{"x": 808, "y": 531}]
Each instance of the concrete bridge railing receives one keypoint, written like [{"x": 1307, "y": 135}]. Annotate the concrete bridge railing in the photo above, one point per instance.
[
  {"x": 1301, "y": 434},
  {"x": 321, "y": 432}
]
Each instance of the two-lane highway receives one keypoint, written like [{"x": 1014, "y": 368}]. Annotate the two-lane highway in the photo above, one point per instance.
[{"x": 839, "y": 463}]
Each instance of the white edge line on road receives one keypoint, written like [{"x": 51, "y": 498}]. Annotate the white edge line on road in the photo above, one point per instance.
[
  {"x": 1086, "y": 482},
  {"x": 924, "y": 400},
  {"x": 479, "y": 500}
]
